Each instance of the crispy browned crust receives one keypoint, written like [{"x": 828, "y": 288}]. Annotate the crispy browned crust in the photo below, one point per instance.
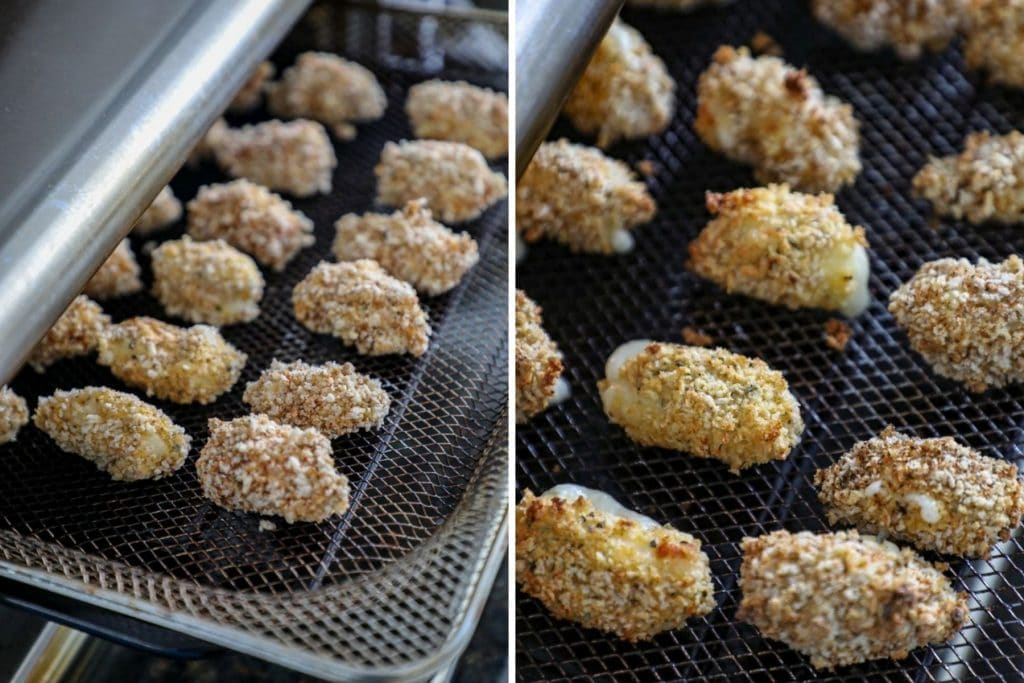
[{"x": 538, "y": 360}]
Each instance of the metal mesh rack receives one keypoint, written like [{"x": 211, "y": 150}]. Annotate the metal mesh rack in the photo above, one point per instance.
[
  {"x": 907, "y": 111},
  {"x": 392, "y": 587}
]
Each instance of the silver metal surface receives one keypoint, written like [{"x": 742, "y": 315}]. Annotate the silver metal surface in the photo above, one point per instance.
[
  {"x": 554, "y": 42},
  {"x": 103, "y": 100}
]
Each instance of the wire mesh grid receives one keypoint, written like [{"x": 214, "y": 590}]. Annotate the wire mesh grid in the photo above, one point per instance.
[
  {"x": 390, "y": 583},
  {"x": 907, "y": 112}
]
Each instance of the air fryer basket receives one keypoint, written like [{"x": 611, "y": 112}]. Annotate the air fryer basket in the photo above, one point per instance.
[
  {"x": 390, "y": 588},
  {"x": 907, "y": 112}
]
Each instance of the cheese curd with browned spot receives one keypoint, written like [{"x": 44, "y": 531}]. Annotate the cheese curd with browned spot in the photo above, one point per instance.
[
  {"x": 538, "y": 361},
  {"x": 13, "y": 414},
  {"x": 992, "y": 40},
  {"x": 909, "y": 27},
  {"x": 118, "y": 276},
  {"x": 460, "y": 112},
  {"x": 76, "y": 333}
]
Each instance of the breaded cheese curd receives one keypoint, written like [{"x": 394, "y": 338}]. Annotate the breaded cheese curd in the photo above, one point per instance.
[
  {"x": 589, "y": 559},
  {"x": 784, "y": 247},
  {"x": 983, "y": 183},
  {"x": 841, "y": 598},
  {"x": 250, "y": 94},
  {"x": 625, "y": 92},
  {"x": 181, "y": 364},
  {"x": 77, "y": 332},
  {"x": 933, "y": 493},
  {"x": 165, "y": 210},
  {"x": 453, "y": 178},
  {"x": 254, "y": 464},
  {"x": 966, "y": 320},
  {"x": 13, "y": 414},
  {"x": 579, "y": 197},
  {"x": 763, "y": 112},
  {"x": 538, "y": 361},
  {"x": 251, "y": 218},
  {"x": 206, "y": 282},
  {"x": 410, "y": 245},
  {"x": 118, "y": 276},
  {"x": 119, "y": 433},
  {"x": 460, "y": 112},
  {"x": 907, "y": 26},
  {"x": 710, "y": 403},
  {"x": 992, "y": 31},
  {"x": 294, "y": 156},
  {"x": 326, "y": 88},
  {"x": 333, "y": 398},
  {"x": 358, "y": 302}
]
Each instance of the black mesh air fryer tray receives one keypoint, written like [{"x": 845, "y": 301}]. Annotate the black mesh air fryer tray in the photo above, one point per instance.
[{"x": 592, "y": 304}]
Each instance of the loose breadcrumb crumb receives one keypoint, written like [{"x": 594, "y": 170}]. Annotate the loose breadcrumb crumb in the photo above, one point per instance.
[
  {"x": 992, "y": 40},
  {"x": 250, "y": 94},
  {"x": 625, "y": 92},
  {"x": 764, "y": 44},
  {"x": 908, "y": 26},
  {"x": 783, "y": 247},
  {"x": 609, "y": 572},
  {"x": 983, "y": 183},
  {"x": 267, "y": 525},
  {"x": 453, "y": 178},
  {"x": 76, "y": 333},
  {"x": 332, "y": 398},
  {"x": 206, "y": 282},
  {"x": 842, "y": 598},
  {"x": 326, "y": 88},
  {"x": 646, "y": 168},
  {"x": 538, "y": 360},
  {"x": 837, "y": 334},
  {"x": 165, "y": 210},
  {"x": 933, "y": 493},
  {"x": 181, "y": 364},
  {"x": 13, "y": 414},
  {"x": 120, "y": 433},
  {"x": 966, "y": 320},
  {"x": 460, "y": 112},
  {"x": 579, "y": 197},
  {"x": 251, "y": 218},
  {"x": 358, "y": 302},
  {"x": 710, "y": 403},
  {"x": 254, "y": 464},
  {"x": 763, "y": 112},
  {"x": 408, "y": 244},
  {"x": 694, "y": 337},
  {"x": 294, "y": 157},
  {"x": 118, "y": 276}
]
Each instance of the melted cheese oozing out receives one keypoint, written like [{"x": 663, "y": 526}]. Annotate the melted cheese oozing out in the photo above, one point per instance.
[
  {"x": 562, "y": 391},
  {"x": 928, "y": 506},
  {"x": 601, "y": 501},
  {"x": 616, "y": 393},
  {"x": 622, "y": 242},
  {"x": 857, "y": 266}
]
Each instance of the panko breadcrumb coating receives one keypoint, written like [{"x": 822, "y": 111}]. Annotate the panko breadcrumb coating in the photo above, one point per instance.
[
  {"x": 842, "y": 598},
  {"x": 710, "y": 403},
  {"x": 294, "y": 156},
  {"x": 577, "y": 196},
  {"x": 784, "y": 247},
  {"x": 358, "y": 302},
  {"x": 625, "y": 92},
  {"x": 992, "y": 40},
  {"x": 453, "y": 178},
  {"x": 76, "y": 333},
  {"x": 409, "y": 244},
  {"x": 206, "y": 282},
  {"x": 250, "y": 94},
  {"x": 675, "y": 4},
  {"x": 933, "y": 493},
  {"x": 164, "y": 210},
  {"x": 908, "y": 26},
  {"x": 983, "y": 183},
  {"x": 13, "y": 414},
  {"x": 118, "y": 432},
  {"x": 332, "y": 398},
  {"x": 254, "y": 464},
  {"x": 966, "y": 320},
  {"x": 460, "y": 112},
  {"x": 538, "y": 360},
  {"x": 181, "y": 364},
  {"x": 251, "y": 218},
  {"x": 118, "y": 276},
  {"x": 590, "y": 560},
  {"x": 326, "y": 88},
  {"x": 763, "y": 112}
]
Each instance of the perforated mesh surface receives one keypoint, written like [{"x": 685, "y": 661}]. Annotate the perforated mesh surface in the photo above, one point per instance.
[
  {"x": 592, "y": 304},
  {"x": 388, "y": 583}
]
